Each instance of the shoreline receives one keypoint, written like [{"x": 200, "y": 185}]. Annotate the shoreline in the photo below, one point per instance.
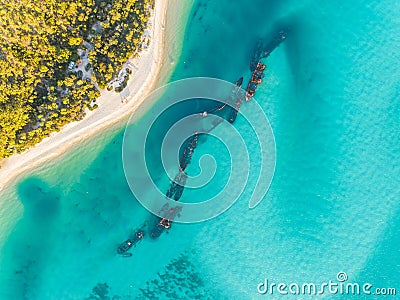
[{"x": 147, "y": 67}]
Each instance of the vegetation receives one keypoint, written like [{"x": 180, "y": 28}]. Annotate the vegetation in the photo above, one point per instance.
[
  {"x": 101, "y": 292},
  {"x": 39, "y": 90},
  {"x": 122, "y": 84}
]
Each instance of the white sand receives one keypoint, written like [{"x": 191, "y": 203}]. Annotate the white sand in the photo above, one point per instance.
[{"x": 110, "y": 110}]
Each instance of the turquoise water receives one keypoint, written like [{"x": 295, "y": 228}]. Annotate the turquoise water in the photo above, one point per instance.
[{"x": 331, "y": 93}]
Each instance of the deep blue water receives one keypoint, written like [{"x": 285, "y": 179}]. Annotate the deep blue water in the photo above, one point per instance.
[{"x": 331, "y": 93}]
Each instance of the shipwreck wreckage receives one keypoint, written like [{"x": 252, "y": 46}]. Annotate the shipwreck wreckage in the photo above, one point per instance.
[{"x": 156, "y": 225}]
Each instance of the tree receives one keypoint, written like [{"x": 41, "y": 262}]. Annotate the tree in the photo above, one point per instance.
[{"x": 38, "y": 94}]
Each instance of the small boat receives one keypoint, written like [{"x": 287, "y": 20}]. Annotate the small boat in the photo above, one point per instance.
[
  {"x": 232, "y": 115},
  {"x": 125, "y": 246}
]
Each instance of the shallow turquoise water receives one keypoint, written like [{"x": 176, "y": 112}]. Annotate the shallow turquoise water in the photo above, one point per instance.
[{"x": 331, "y": 93}]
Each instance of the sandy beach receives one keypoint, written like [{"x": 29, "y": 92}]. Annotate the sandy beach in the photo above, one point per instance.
[{"x": 146, "y": 68}]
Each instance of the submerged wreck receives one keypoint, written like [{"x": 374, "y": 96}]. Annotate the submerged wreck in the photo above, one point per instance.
[
  {"x": 130, "y": 242},
  {"x": 256, "y": 79},
  {"x": 227, "y": 110},
  {"x": 263, "y": 50}
]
